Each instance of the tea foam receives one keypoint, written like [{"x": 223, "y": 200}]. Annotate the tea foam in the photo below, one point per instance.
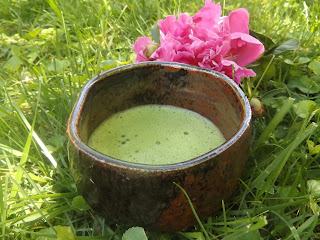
[{"x": 155, "y": 135}]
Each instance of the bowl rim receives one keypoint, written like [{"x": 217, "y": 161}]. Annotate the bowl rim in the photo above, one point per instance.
[{"x": 104, "y": 159}]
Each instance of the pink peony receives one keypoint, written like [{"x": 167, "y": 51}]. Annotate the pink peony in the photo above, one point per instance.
[
  {"x": 139, "y": 46},
  {"x": 207, "y": 40}
]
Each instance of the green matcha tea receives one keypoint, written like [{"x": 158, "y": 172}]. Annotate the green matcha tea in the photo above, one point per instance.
[{"x": 155, "y": 135}]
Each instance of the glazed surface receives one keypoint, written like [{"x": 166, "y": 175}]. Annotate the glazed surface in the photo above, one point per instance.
[{"x": 131, "y": 194}]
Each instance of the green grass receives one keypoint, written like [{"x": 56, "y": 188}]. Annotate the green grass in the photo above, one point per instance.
[{"x": 48, "y": 49}]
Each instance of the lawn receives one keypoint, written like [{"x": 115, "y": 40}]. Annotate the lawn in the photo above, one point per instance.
[{"x": 50, "y": 48}]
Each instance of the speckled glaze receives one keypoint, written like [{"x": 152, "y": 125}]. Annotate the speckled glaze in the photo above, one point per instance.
[{"x": 131, "y": 194}]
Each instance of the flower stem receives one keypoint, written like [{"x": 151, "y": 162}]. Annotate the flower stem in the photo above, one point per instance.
[{"x": 262, "y": 76}]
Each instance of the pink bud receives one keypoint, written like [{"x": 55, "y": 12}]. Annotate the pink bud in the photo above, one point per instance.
[
  {"x": 150, "y": 49},
  {"x": 256, "y": 107}
]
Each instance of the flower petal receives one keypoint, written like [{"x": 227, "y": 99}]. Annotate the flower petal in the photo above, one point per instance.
[
  {"x": 180, "y": 27},
  {"x": 165, "y": 25},
  {"x": 208, "y": 16},
  {"x": 139, "y": 45},
  {"x": 245, "y": 48},
  {"x": 204, "y": 34},
  {"x": 239, "y": 21},
  {"x": 185, "y": 57},
  {"x": 230, "y": 68}
]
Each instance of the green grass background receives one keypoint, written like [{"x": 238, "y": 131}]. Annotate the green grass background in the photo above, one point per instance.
[{"x": 50, "y": 48}]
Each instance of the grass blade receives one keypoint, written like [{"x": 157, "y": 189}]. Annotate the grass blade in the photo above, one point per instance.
[
  {"x": 274, "y": 122},
  {"x": 293, "y": 230},
  {"x": 23, "y": 160},
  {"x": 11, "y": 150},
  {"x": 35, "y": 136},
  {"x": 194, "y": 212},
  {"x": 274, "y": 169}
]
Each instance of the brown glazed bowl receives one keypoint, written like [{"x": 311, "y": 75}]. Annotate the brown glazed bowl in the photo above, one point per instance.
[{"x": 131, "y": 194}]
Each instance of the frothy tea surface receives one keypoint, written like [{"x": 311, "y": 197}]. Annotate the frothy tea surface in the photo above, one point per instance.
[{"x": 155, "y": 135}]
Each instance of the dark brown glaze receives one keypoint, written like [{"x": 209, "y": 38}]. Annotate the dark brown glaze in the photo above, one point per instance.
[{"x": 144, "y": 195}]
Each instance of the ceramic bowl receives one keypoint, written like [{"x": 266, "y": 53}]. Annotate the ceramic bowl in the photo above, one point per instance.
[{"x": 131, "y": 194}]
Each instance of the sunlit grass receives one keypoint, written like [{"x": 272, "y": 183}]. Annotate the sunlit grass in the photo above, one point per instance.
[{"x": 48, "y": 49}]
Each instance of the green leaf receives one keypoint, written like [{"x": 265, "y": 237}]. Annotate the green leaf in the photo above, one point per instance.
[
  {"x": 287, "y": 191},
  {"x": 301, "y": 60},
  {"x": 304, "y": 108},
  {"x": 65, "y": 233},
  {"x": 266, "y": 41},
  {"x": 194, "y": 235},
  {"x": 248, "y": 230},
  {"x": 32, "y": 56},
  {"x": 313, "y": 149},
  {"x": 314, "y": 206},
  {"x": 155, "y": 33},
  {"x": 79, "y": 79},
  {"x": 304, "y": 84},
  {"x": 13, "y": 63},
  {"x": 134, "y": 233},
  {"x": 253, "y": 235},
  {"x": 80, "y": 203},
  {"x": 314, "y": 188},
  {"x": 290, "y": 45},
  {"x": 290, "y": 62},
  {"x": 31, "y": 217},
  {"x": 58, "y": 65},
  {"x": 315, "y": 67},
  {"x": 58, "y": 140},
  {"x": 108, "y": 64},
  {"x": 47, "y": 234},
  {"x": 295, "y": 72},
  {"x": 273, "y": 101},
  {"x": 33, "y": 33}
]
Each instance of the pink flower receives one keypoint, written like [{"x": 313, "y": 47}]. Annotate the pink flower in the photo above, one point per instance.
[
  {"x": 207, "y": 40},
  {"x": 208, "y": 16},
  {"x": 139, "y": 46}
]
